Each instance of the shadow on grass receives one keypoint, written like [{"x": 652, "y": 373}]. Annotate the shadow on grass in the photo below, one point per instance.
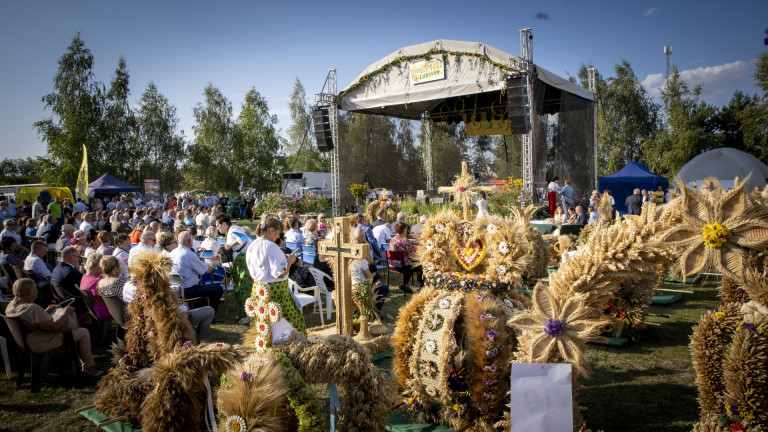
[{"x": 632, "y": 407}]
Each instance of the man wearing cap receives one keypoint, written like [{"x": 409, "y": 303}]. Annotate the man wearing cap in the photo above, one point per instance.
[{"x": 67, "y": 232}]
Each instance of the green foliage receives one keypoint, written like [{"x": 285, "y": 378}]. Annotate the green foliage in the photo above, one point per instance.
[
  {"x": 274, "y": 202},
  {"x": 256, "y": 147},
  {"x": 120, "y": 147},
  {"x": 225, "y": 151},
  {"x": 77, "y": 104},
  {"x": 411, "y": 206},
  {"x": 302, "y": 397},
  {"x": 509, "y": 194},
  {"x": 687, "y": 131},
  {"x": 160, "y": 146},
  {"x": 753, "y": 119},
  {"x": 311, "y": 204},
  {"x": 626, "y": 117},
  {"x": 448, "y": 150},
  {"x": 19, "y": 171},
  {"x": 301, "y": 146}
]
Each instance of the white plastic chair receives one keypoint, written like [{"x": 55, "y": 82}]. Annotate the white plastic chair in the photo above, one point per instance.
[
  {"x": 305, "y": 299},
  {"x": 320, "y": 282}
]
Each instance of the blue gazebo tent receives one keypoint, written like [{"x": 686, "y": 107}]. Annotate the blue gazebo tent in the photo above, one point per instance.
[
  {"x": 109, "y": 185},
  {"x": 623, "y": 182}
]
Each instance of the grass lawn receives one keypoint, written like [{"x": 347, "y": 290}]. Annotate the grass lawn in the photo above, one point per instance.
[{"x": 646, "y": 386}]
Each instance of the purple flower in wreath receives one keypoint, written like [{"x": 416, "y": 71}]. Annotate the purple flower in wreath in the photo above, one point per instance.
[
  {"x": 126, "y": 360},
  {"x": 490, "y": 382},
  {"x": 245, "y": 376},
  {"x": 735, "y": 410},
  {"x": 489, "y": 395},
  {"x": 717, "y": 309},
  {"x": 134, "y": 350},
  {"x": 481, "y": 297},
  {"x": 491, "y": 368},
  {"x": 186, "y": 345},
  {"x": 487, "y": 316},
  {"x": 491, "y": 335},
  {"x": 749, "y": 327},
  {"x": 137, "y": 330},
  {"x": 493, "y": 352},
  {"x": 554, "y": 327}
]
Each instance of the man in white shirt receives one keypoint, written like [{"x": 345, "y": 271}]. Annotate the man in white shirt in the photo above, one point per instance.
[
  {"x": 416, "y": 229},
  {"x": 382, "y": 233},
  {"x": 37, "y": 208},
  {"x": 190, "y": 267},
  {"x": 9, "y": 227},
  {"x": 86, "y": 225},
  {"x": 146, "y": 244},
  {"x": 234, "y": 242},
  {"x": 34, "y": 264},
  {"x": 79, "y": 206},
  {"x": 201, "y": 220}
]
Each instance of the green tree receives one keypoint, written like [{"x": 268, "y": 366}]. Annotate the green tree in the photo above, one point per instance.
[
  {"x": 209, "y": 155},
  {"x": 727, "y": 121},
  {"x": 626, "y": 117},
  {"x": 160, "y": 148},
  {"x": 449, "y": 148},
  {"x": 753, "y": 119},
  {"x": 119, "y": 145},
  {"x": 687, "y": 129},
  {"x": 77, "y": 104},
  {"x": 256, "y": 156},
  {"x": 19, "y": 171},
  {"x": 301, "y": 147}
]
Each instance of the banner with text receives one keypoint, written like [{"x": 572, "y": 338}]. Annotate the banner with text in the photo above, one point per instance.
[{"x": 426, "y": 71}]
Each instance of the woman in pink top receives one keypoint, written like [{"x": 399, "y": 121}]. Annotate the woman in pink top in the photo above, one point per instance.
[
  {"x": 90, "y": 281},
  {"x": 400, "y": 243}
]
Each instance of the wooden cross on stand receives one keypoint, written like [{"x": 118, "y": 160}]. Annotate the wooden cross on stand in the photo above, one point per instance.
[
  {"x": 343, "y": 250},
  {"x": 464, "y": 189}
]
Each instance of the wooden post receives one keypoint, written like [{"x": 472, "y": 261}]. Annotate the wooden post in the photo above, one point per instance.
[{"x": 343, "y": 250}]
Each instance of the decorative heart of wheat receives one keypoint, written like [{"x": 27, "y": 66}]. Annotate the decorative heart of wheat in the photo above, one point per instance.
[{"x": 470, "y": 255}]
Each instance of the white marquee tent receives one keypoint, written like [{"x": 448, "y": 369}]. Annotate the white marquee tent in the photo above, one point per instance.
[{"x": 725, "y": 164}]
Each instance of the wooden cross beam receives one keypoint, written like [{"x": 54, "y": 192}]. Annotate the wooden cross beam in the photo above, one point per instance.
[
  {"x": 464, "y": 189},
  {"x": 343, "y": 251}
]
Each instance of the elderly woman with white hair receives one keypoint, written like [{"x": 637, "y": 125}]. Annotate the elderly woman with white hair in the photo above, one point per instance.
[{"x": 23, "y": 307}]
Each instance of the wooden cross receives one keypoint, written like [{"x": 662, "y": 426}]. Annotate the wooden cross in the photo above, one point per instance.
[
  {"x": 464, "y": 189},
  {"x": 343, "y": 250}
]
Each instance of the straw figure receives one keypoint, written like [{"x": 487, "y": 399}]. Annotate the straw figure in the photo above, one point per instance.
[
  {"x": 159, "y": 377},
  {"x": 729, "y": 346},
  {"x": 452, "y": 345}
]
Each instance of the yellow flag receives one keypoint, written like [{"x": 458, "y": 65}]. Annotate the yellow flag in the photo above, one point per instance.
[{"x": 82, "y": 178}]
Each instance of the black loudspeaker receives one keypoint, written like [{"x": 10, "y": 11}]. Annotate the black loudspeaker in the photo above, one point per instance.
[
  {"x": 518, "y": 105},
  {"x": 322, "y": 129}
]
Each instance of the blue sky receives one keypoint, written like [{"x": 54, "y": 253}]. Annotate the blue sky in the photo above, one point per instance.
[{"x": 184, "y": 45}]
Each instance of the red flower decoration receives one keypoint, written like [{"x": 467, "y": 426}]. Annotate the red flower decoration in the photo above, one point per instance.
[{"x": 737, "y": 427}]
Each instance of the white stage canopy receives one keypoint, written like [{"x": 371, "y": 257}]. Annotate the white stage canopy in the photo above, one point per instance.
[{"x": 420, "y": 77}]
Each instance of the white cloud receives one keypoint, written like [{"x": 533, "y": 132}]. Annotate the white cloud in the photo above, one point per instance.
[
  {"x": 713, "y": 79},
  {"x": 650, "y": 12}
]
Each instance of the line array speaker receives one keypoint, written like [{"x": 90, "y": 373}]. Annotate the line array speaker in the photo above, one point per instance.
[
  {"x": 518, "y": 104},
  {"x": 322, "y": 129}
]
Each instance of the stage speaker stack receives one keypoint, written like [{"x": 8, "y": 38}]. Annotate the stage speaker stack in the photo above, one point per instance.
[
  {"x": 518, "y": 104},
  {"x": 322, "y": 129}
]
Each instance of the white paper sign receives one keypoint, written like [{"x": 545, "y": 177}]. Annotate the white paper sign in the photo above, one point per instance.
[{"x": 541, "y": 398}]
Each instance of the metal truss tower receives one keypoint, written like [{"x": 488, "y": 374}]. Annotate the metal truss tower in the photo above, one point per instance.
[
  {"x": 329, "y": 99},
  {"x": 593, "y": 88},
  {"x": 428, "y": 150},
  {"x": 526, "y": 54}
]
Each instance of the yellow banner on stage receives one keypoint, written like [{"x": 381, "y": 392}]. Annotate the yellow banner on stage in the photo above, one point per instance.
[{"x": 82, "y": 178}]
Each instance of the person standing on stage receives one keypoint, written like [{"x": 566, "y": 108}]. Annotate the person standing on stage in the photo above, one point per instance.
[{"x": 552, "y": 190}]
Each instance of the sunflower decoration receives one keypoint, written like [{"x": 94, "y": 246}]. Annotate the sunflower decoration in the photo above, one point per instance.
[
  {"x": 556, "y": 327},
  {"x": 717, "y": 229}
]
